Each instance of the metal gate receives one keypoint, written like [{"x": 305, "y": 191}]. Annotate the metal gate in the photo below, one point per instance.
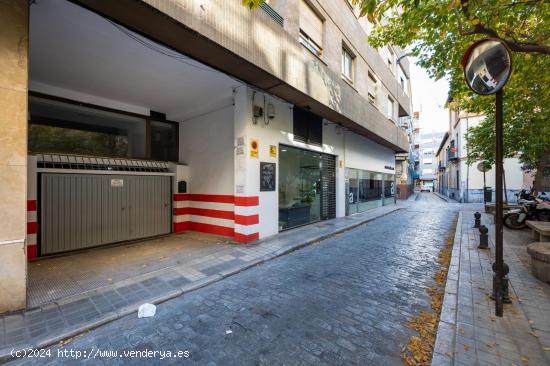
[
  {"x": 86, "y": 210},
  {"x": 328, "y": 187}
]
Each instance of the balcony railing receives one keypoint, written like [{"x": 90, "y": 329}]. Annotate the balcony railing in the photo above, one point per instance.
[
  {"x": 452, "y": 153},
  {"x": 272, "y": 13}
]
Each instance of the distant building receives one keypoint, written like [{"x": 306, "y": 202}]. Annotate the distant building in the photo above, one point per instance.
[
  {"x": 427, "y": 167},
  {"x": 405, "y": 163},
  {"x": 465, "y": 183}
]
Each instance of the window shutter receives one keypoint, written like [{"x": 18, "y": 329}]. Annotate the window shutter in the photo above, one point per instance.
[{"x": 311, "y": 24}]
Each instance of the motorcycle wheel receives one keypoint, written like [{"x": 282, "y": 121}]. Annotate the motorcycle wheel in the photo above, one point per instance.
[{"x": 511, "y": 221}]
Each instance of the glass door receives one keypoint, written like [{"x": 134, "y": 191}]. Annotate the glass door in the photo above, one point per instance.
[
  {"x": 299, "y": 187},
  {"x": 352, "y": 191}
]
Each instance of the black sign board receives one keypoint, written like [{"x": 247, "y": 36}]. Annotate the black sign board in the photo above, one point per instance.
[{"x": 267, "y": 176}]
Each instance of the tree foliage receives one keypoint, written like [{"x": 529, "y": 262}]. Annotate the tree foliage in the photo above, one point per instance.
[{"x": 438, "y": 32}]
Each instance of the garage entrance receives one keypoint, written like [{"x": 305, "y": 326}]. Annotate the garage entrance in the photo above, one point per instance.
[{"x": 86, "y": 210}]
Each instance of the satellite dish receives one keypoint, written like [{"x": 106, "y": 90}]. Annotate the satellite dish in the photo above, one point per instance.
[
  {"x": 487, "y": 66},
  {"x": 484, "y": 166}
]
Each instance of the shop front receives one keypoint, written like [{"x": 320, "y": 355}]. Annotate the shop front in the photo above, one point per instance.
[
  {"x": 366, "y": 190},
  {"x": 307, "y": 187}
]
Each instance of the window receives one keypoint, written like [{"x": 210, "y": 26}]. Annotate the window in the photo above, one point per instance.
[
  {"x": 390, "y": 108},
  {"x": 308, "y": 127},
  {"x": 59, "y": 127},
  {"x": 403, "y": 80},
  {"x": 390, "y": 59},
  {"x": 347, "y": 65},
  {"x": 67, "y": 127},
  {"x": 372, "y": 88},
  {"x": 164, "y": 141},
  {"x": 311, "y": 29}
]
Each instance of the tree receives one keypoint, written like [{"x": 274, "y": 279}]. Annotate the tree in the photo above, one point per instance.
[{"x": 438, "y": 32}]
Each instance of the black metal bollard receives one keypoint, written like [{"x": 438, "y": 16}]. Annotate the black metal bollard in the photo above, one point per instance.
[
  {"x": 505, "y": 290},
  {"x": 483, "y": 237},
  {"x": 477, "y": 221}
]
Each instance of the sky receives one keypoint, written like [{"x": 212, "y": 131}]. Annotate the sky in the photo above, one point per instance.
[{"x": 429, "y": 97}]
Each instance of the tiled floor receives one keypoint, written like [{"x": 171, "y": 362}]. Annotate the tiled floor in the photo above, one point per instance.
[{"x": 54, "y": 278}]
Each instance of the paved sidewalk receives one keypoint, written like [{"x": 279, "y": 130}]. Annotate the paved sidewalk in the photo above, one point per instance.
[
  {"x": 71, "y": 316},
  {"x": 469, "y": 333}
]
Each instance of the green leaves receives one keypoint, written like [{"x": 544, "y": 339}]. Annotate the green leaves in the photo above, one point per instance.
[{"x": 252, "y": 4}]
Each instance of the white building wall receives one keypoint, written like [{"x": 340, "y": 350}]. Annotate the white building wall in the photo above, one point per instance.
[
  {"x": 359, "y": 153},
  {"x": 206, "y": 145},
  {"x": 471, "y": 179}
]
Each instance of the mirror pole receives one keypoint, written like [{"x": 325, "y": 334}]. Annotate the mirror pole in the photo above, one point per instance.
[{"x": 498, "y": 209}]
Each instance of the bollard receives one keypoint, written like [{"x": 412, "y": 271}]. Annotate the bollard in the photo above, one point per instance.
[
  {"x": 505, "y": 289},
  {"x": 477, "y": 221},
  {"x": 483, "y": 237}
]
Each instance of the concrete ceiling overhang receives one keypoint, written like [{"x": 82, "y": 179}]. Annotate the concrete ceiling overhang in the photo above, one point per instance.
[
  {"x": 150, "y": 22},
  {"x": 74, "y": 50}
]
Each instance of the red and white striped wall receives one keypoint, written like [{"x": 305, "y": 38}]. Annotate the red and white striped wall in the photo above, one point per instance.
[
  {"x": 247, "y": 219},
  {"x": 225, "y": 215},
  {"x": 32, "y": 229}
]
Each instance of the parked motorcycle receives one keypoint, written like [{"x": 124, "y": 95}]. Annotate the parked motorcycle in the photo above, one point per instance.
[{"x": 533, "y": 208}]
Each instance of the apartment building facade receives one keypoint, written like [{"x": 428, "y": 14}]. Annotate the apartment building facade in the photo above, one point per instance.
[
  {"x": 127, "y": 119},
  {"x": 466, "y": 183}
]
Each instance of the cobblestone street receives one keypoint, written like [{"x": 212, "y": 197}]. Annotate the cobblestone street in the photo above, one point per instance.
[{"x": 344, "y": 300}]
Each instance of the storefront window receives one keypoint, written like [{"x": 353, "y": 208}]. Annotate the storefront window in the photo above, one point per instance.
[
  {"x": 366, "y": 190},
  {"x": 389, "y": 189},
  {"x": 299, "y": 187}
]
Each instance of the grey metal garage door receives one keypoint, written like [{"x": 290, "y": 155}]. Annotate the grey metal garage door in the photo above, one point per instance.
[{"x": 86, "y": 210}]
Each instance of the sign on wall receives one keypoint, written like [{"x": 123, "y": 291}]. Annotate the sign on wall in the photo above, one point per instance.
[
  {"x": 117, "y": 183},
  {"x": 241, "y": 148},
  {"x": 273, "y": 151},
  {"x": 268, "y": 176},
  {"x": 254, "y": 146}
]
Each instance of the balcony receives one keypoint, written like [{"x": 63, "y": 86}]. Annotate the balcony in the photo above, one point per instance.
[
  {"x": 442, "y": 166},
  {"x": 452, "y": 153}
]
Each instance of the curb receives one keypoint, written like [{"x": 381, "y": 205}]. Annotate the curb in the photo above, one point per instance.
[
  {"x": 443, "y": 353},
  {"x": 445, "y": 198},
  {"x": 5, "y": 354}
]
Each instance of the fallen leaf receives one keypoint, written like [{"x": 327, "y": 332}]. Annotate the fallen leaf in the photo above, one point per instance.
[
  {"x": 466, "y": 347},
  {"x": 524, "y": 359},
  {"x": 547, "y": 348}
]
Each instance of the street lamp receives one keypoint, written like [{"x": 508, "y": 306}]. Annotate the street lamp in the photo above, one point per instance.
[{"x": 487, "y": 67}]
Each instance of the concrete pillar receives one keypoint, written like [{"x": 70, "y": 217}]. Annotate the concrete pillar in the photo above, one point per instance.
[
  {"x": 247, "y": 167},
  {"x": 14, "y": 31}
]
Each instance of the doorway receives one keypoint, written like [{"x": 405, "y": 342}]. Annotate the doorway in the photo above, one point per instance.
[{"x": 307, "y": 187}]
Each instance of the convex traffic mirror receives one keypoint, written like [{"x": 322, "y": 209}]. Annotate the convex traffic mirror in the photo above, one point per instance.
[{"x": 487, "y": 66}]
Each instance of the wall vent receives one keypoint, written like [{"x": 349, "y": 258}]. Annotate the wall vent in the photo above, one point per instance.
[{"x": 77, "y": 162}]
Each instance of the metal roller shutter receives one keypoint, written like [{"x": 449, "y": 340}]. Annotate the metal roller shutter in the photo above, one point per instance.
[{"x": 86, "y": 210}]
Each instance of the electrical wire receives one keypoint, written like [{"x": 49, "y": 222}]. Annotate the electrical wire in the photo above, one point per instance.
[{"x": 158, "y": 48}]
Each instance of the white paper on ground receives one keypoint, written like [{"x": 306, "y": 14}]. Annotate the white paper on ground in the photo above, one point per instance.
[{"x": 146, "y": 310}]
